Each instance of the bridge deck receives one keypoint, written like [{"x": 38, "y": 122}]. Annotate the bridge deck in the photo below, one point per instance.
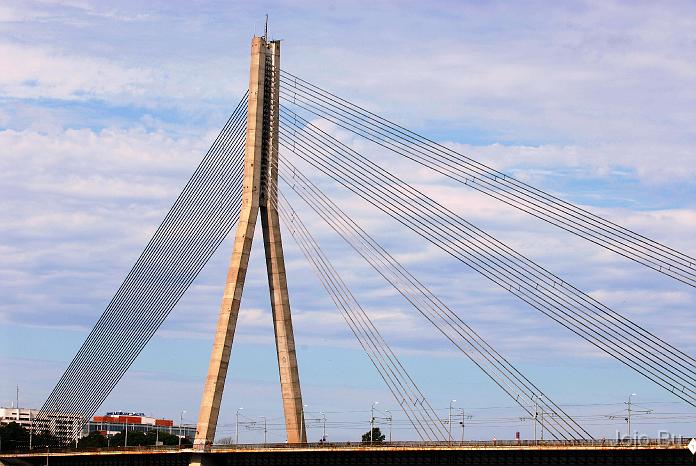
[{"x": 472, "y": 453}]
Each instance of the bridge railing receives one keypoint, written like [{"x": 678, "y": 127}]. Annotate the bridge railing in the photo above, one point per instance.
[
  {"x": 475, "y": 444},
  {"x": 644, "y": 442}
]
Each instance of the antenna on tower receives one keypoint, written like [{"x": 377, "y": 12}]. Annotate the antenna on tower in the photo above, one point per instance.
[{"x": 265, "y": 30}]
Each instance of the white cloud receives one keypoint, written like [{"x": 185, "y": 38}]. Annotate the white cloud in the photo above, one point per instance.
[{"x": 34, "y": 72}]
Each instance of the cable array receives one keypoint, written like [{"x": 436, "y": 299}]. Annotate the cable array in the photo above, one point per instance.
[
  {"x": 494, "y": 365},
  {"x": 596, "y": 323},
  {"x": 196, "y": 224},
  {"x": 484, "y": 179},
  {"x": 406, "y": 393}
]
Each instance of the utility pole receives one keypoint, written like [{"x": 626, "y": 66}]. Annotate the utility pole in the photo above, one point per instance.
[
  {"x": 449, "y": 423},
  {"x": 372, "y": 422},
  {"x": 630, "y": 432},
  {"x": 236, "y": 427},
  {"x": 265, "y": 430},
  {"x": 542, "y": 420},
  {"x": 125, "y": 440},
  {"x": 17, "y": 402},
  {"x": 390, "y": 424},
  {"x": 181, "y": 425},
  {"x": 323, "y": 432},
  {"x": 462, "y": 409},
  {"x": 542, "y": 424},
  {"x": 536, "y": 413}
]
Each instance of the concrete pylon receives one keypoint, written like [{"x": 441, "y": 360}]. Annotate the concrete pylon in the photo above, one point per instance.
[{"x": 259, "y": 195}]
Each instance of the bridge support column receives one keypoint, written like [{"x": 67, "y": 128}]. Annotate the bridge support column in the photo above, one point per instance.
[
  {"x": 259, "y": 196},
  {"x": 275, "y": 265}
]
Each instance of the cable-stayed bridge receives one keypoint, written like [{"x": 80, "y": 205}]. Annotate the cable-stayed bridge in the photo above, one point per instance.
[{"x": 249, "y": 171}]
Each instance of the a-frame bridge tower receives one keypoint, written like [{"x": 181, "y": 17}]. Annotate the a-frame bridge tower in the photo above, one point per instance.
[{"x": 260, "y": 187}]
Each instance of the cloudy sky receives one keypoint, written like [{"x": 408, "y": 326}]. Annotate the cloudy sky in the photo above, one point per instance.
[{"x": 107, "y": 107}]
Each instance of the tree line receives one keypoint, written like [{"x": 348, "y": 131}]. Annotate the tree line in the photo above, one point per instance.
[{"x": 14, "y": 437}]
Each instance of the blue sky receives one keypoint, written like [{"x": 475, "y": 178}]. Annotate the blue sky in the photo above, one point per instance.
[{"x": 107, "y": 107}]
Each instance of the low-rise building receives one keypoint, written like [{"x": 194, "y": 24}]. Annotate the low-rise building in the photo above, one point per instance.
[
  {"x": 64, "y": 426},
  {"x": 120, "y": 421}
]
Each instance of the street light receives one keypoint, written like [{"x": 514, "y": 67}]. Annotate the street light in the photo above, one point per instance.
[
  {"x": 236, "y": 428},
  {"x": 630, "y": 433},
  {"x": 181, "y": 423},
  {"x": 449, "y": 425},
  {"x": 372, "y": 421}
]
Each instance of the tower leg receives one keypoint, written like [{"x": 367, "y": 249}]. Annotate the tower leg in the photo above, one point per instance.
[
  {"x": 282, "y": 324},
  {"x": 229, "y": 309},
  {"x": 224, "y": 334},
  {"x": 275, "y": 262}
]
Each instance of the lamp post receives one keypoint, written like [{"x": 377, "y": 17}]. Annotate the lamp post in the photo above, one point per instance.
[
  {"x": 236, "y": 427},
  {"x": 181, "y": 424},
  {"x": 372, "y": 421},
  {"x": 449, "y": 424},
  {"x": 630, "y": 433}
]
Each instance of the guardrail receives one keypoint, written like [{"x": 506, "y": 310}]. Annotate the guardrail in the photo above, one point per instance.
[{"x": 473, "y": 444}]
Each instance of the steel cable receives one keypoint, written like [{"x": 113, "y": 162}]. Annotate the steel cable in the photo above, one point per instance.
[
  {"x": 555, "y": 280},
  {"x": 119, "y": 323},
  {"x": 514, "y": 292},
  {"x": 448, "y": 162},
  {"x": 129, "y": 284},
  {"x": 416, "y": 293},
  {"x": 362, "y": 327},
  {"x": 345, "y": 301}
]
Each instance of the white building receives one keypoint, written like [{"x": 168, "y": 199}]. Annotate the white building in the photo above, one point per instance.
[{"x": 66, "y": 427}]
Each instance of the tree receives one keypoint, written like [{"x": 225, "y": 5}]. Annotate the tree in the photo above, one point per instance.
[
  {"x": 13, "y": 437},
  {"x": 375, "y": 435},
  {"x": 44, "y": 439},
  {"x": 93, "y": 440},
  {"x": 164, "y": 437},
  {"x": 135, "y": 438}
]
